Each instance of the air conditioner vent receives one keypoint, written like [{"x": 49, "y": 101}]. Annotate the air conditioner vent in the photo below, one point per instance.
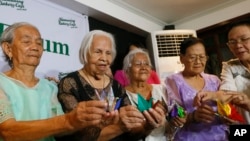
[{"x": 169, "y": 45}]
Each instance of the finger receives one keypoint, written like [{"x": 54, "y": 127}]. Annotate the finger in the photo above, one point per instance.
[
  {"x": 151, "y": 120},
  {"x": 131, "y": 111},
  {"x": 95, "y": 103}
]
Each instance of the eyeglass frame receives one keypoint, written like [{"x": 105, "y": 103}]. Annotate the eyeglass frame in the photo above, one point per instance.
[
  {"x": 243, "y": 41},
  {"x": 194, "y": 57},
  {"x": 139, "y": 64}
]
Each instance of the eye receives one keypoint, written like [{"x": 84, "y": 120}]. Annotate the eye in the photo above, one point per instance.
[
  {"x": 232, "y": 42},
  {"x": 26, "y": 42},
  {"x": 97, "y": 51},
  {"x": 192, "y": 57},
  {"x": 109, "y": 53}
]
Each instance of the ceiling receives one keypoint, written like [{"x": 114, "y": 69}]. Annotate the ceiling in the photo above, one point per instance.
[
  {"x": 161, "y": 12},
  {"x": 173, "y": 11}
]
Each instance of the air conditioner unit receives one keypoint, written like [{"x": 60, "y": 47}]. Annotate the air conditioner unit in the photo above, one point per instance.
[{"x": 164, "y": 49}]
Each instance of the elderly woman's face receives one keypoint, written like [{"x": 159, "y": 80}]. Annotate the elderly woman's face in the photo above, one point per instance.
[
  {"x": 100, "y": 56},
  {"x": 195, "y": 59},
  {"x": 26, "y": 48},
  {"x": 140, "y": 68}
]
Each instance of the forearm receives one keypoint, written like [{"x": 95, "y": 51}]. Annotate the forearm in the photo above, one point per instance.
[
  {"x": 12, "y": 130},
  {"x": 110, "y": 132}
]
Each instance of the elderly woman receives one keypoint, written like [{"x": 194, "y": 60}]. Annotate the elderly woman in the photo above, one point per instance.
[
  {"x": 200, "y": 124},
  {"x": 29, "y": 106},
  {"x": 91, "y": 82},
  {"x": 144, "y": 96}
]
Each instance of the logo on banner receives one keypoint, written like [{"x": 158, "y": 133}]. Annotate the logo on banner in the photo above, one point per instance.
[
  {"x": 67, "y": 22},
  {"x": 18, "y": 4},
  {"x": 48, "y": 45}
]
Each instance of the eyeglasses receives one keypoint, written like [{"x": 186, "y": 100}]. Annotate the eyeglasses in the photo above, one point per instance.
[
  {"x": 193, "y": 58},
  {"x": 243, "y": 41},
  {"x": 141, "y": 63}
]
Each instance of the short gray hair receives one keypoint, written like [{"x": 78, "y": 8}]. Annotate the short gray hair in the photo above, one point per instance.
[
  {"x": 130, "y": 56},
  {"x": 87, "y": 41},
  {"x": 9, "y": 34}
]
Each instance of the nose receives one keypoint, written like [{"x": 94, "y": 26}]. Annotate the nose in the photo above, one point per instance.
[{"x": 103, "y": 57}]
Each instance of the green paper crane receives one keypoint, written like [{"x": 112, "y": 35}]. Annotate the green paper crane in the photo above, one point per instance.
[{"x": 144, "y": 104}]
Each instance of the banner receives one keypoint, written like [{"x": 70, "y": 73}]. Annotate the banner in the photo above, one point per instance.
[{"x": 62, "y": 31}]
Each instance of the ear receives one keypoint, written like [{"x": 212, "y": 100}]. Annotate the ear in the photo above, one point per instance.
[
  {"x": 181, "y": 58},
  {"x": 7, "y": 49}
]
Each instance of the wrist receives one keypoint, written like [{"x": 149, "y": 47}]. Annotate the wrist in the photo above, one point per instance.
[{"x": 193, "y": 119}]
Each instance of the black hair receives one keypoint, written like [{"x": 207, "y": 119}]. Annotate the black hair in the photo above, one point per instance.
[
  {"x": 238, "y": 23},
  {"x": 186, "y": 43},
  {"x": 136, "y": 43}
]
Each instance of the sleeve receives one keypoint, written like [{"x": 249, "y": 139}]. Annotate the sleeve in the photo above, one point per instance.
[
  {"x": 67, "y": 87},
  {"x": 172, "y": 91},
  {"x": 5, "y": 108},
  {"x": 56, "y": 106},
  {"x": 228, "y": 82}
]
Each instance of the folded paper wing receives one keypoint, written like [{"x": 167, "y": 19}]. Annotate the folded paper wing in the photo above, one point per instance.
[
  {"x": 144, "y": 104},
  {"x": 229, "y": 111}
]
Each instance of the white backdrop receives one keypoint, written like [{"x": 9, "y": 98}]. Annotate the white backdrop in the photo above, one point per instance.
[{"x": 57, "y": 25}]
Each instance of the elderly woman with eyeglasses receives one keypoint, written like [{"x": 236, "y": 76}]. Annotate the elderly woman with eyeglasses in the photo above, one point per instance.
[
  {"x": 199, "y": 123},
  {"x": 146, "y": 99}
]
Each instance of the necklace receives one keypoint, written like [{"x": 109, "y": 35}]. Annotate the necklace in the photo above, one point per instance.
[
  {"x": 91, "y": 83},
  {"x": 100, "y": 92}
]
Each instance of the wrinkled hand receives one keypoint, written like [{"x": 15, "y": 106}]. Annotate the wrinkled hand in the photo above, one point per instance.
[
  {"x": 203, "y": 96},
  {"x": 87, "y": 113},
  {"x": 241, "y": 100},
  {"x": 131, "y": 118},
  {"x": 111, "y": 118},
  {"x": 155, "y": 117},
  {"x": 178, "y": 122},
  {"x": 204, "y": 113}
]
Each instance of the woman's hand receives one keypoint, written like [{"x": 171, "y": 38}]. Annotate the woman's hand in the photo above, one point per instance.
[
  {"x": 178, "y": 122},
  {"x": 87, "y": 113},
  {"x": 241, "y": 100},
  {"x": 203, "y": 96},
  {"x": 204, "y": 113},
  {"x": 131, "y": 118},
  {"x": 112, "y": 118},
  {"x": 155, "y": 117}
]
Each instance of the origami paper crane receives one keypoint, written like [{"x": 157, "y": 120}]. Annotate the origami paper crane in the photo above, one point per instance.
[{"x": 144, "y": 104}]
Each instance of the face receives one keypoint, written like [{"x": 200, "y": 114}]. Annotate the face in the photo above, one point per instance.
[
  {"x": 26, "y": 48},
  {"x": 195, "y": 59},
  {"x": 100, "y": 55},
  {"x": 140, "y": 68},
  {"x": 239, "y": 42}
]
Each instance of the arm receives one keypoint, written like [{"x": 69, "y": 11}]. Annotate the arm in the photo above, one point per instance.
[{"x": 85, "y": 114}]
